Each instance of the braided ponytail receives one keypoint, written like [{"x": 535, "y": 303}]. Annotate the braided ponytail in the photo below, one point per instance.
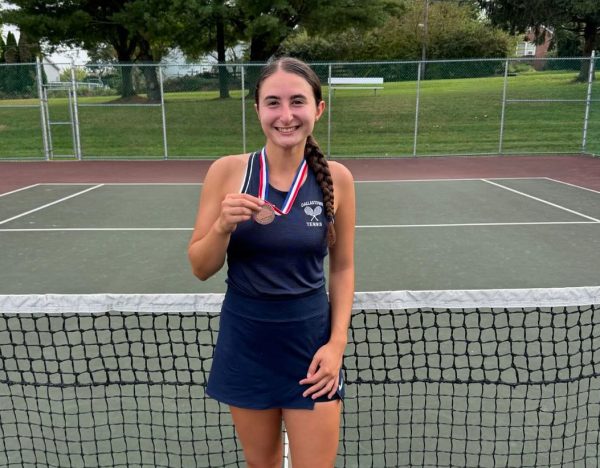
[{"x": 318, "y": 164}]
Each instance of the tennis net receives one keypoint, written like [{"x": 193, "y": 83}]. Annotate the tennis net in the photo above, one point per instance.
[{"x": 434, "y": 378}]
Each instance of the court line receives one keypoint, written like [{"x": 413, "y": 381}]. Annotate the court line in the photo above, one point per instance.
[
  {"x": 368, "y": 226},
  {"x": 18, "y": 190},
  {"x": 541, "y": 200},
  {"x": 572, "y": 185},
  {"x": 477, "y": 179},
  {"x": 50, "y": 204},
  {"x": 122, "y": 183}
]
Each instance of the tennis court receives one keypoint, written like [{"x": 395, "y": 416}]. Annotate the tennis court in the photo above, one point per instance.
[
  {"x": 411, "y": 235},
  {"x": 432, "y": 381}
]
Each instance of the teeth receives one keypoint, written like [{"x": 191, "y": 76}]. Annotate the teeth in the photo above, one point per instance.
[{"x": 286, "y": 129}]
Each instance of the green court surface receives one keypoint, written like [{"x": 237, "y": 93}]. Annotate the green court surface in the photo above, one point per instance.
[
  {"x": 433, "y": 385},
  {"x": 411, "y": 235}
]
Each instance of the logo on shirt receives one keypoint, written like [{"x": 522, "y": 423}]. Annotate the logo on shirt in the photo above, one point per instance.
[{"x": 313, "y": 213}]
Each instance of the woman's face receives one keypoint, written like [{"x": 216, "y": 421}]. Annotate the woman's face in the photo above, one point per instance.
[{"x": 287, "y": 109}]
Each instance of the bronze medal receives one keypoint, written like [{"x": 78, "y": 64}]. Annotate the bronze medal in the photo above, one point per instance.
[{"x": 266, "y": 215}]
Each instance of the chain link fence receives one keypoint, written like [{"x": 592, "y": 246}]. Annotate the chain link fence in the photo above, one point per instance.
[{"x": 399, "y": 109}]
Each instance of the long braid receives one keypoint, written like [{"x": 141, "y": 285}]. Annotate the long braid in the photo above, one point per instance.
[{"x": 318, "y": 164}]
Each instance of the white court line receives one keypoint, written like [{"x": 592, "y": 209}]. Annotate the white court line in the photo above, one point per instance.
[
  {"x": 367, "y": 226},
  {"x": 123, "y": 183},
  {"x": 572, "y": 185},
  {"x": 50, "y": 204},
  {"x": 93, "y": 229},
  {"x": 541, "y": 200},
  {"x": 18, "y": 190},
  {"x": 478, "y": 179},
  {"x": 542, "y": 223}
]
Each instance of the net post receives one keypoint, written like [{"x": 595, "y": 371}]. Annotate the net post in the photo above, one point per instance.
[
  {"x": 417, "y": 105},
  {"x": 502, "y": 113},
  {"x": 588, "y": 102},
  {"x": 163, "y": 113},
  {"x": 43, "y": 104},
  {"x": 287, "y": 463},
  {"x": 73, "y": 109}
]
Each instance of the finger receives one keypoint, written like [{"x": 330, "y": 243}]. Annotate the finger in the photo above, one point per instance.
[
  {"x": 312, "y": 369},
  {"x": 334, "y": 389},
  {"x": 313, "y": 378},
  {"x": 240, "y": 203},
  {"x": 315, "y": 388},
  {"x": 324, "y": 390},
  {"x": 244, "y": 197}
]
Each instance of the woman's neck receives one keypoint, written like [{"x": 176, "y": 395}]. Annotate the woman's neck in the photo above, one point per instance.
[
  {"x": 284, "y": 160},
  {"x": 283, "y": 164}
]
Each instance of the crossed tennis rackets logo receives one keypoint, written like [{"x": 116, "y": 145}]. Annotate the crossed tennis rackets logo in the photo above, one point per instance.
[{"x": 313, "y": 213}]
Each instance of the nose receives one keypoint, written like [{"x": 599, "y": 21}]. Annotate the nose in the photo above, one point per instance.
[{"x": 286, "y": 113}]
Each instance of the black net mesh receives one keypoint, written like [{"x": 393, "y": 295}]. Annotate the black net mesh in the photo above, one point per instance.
[{"x": 472, "y": 387}]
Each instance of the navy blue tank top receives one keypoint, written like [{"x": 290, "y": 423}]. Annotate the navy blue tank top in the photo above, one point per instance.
[{"x": 286, "y": 256}]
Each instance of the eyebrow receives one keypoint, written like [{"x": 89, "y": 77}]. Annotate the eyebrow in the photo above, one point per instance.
[{"x": 295, "y": 96}]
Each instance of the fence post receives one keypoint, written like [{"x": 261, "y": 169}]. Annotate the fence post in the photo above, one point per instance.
[
  {"x": 329, "y": 111},
  {"x": 588, "y": 101},
  {"x": 164, "y": 115},
  {"x": 42, "y": 96},
  {"x": 420, "y": 65},
  {"x": 75, "y": 114},
  {"x": 243, "y": 75},
  {"x": 502, "y": 113}
]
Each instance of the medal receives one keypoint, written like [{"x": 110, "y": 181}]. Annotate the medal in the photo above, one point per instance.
[
  {"x": 268, "y": 211},
  {"x": 266, "y": 215}
]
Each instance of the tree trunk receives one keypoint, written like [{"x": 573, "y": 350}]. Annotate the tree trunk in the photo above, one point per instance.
[
  {"x": 223, "y": 73},
  {"x": 590, "y": 36},
  {"x": 259, "y": 52},
  {"x": 149, "y": 72},
  {"x": 124, "y": 47},
  {"x": 126, "y": 76}
]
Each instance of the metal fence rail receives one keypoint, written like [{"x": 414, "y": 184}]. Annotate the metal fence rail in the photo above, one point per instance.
[{"x": 177, "y": 111}]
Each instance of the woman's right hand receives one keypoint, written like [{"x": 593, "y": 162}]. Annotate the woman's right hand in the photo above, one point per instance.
[{"x": 236, "y": 208}]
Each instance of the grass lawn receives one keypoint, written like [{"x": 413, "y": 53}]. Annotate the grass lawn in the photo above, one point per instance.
[{"x": 456, "y": 116}]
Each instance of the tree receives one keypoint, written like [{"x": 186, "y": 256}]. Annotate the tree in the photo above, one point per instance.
[
  {"x": 579, "y": 16},
  {"x": 139, "y": 31},
  {"x": 455, "y": 31},
  {"x": 2, "y": 46}
]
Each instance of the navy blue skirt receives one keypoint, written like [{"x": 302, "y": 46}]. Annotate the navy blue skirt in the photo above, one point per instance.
[{"x": 264, "y": 348}]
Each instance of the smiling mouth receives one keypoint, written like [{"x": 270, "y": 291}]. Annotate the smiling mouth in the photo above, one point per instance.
[{"x": 286, "y": 130}]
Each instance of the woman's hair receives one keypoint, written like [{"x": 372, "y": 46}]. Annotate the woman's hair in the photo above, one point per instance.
[{"x": 312, "y": 152}]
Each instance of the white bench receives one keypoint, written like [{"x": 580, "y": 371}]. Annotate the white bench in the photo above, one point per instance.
[{"x": 356, "y": 83}]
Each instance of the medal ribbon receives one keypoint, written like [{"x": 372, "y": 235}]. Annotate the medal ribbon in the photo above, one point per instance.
[{"x": 263, "y": 184}]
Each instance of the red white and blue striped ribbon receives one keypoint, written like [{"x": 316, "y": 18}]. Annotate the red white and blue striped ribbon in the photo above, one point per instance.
[{"x": 263, "y": 184}]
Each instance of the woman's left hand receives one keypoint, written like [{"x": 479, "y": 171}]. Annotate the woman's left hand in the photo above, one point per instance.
[{"x": 324, "y": 371}]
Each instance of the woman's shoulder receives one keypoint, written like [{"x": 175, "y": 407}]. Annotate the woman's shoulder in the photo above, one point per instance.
[
  {"x": 228, "y": 165},
  {"x": 231, "y": 162},
  {"x": 340, "y": 173},
  {"x": 227, "y": 171}
]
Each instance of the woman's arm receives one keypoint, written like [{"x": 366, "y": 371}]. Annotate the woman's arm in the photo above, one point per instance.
[
  {"x": 323, "y": 373},
  {"x": 220, "y": 209},
  {"x": 341, "y": 259}
]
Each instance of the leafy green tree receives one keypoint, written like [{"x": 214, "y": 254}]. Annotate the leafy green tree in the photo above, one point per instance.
[
  {"x": 581, "y": 17},
  {"x": 2, "y": 46},
  {"x": 454, "y": 31},
  {"x": 10, "y": 80},
  {"x": 139, "y": 31}
]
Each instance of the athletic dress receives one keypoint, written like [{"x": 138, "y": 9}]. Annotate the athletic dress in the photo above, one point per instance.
[{"x": 276, "y": 312}]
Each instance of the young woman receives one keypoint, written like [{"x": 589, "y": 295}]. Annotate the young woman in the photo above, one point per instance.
[{"x": 281, "y": 337}]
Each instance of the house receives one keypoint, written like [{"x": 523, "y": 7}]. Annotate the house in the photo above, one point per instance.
[{"x": 528, "y": 47}]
